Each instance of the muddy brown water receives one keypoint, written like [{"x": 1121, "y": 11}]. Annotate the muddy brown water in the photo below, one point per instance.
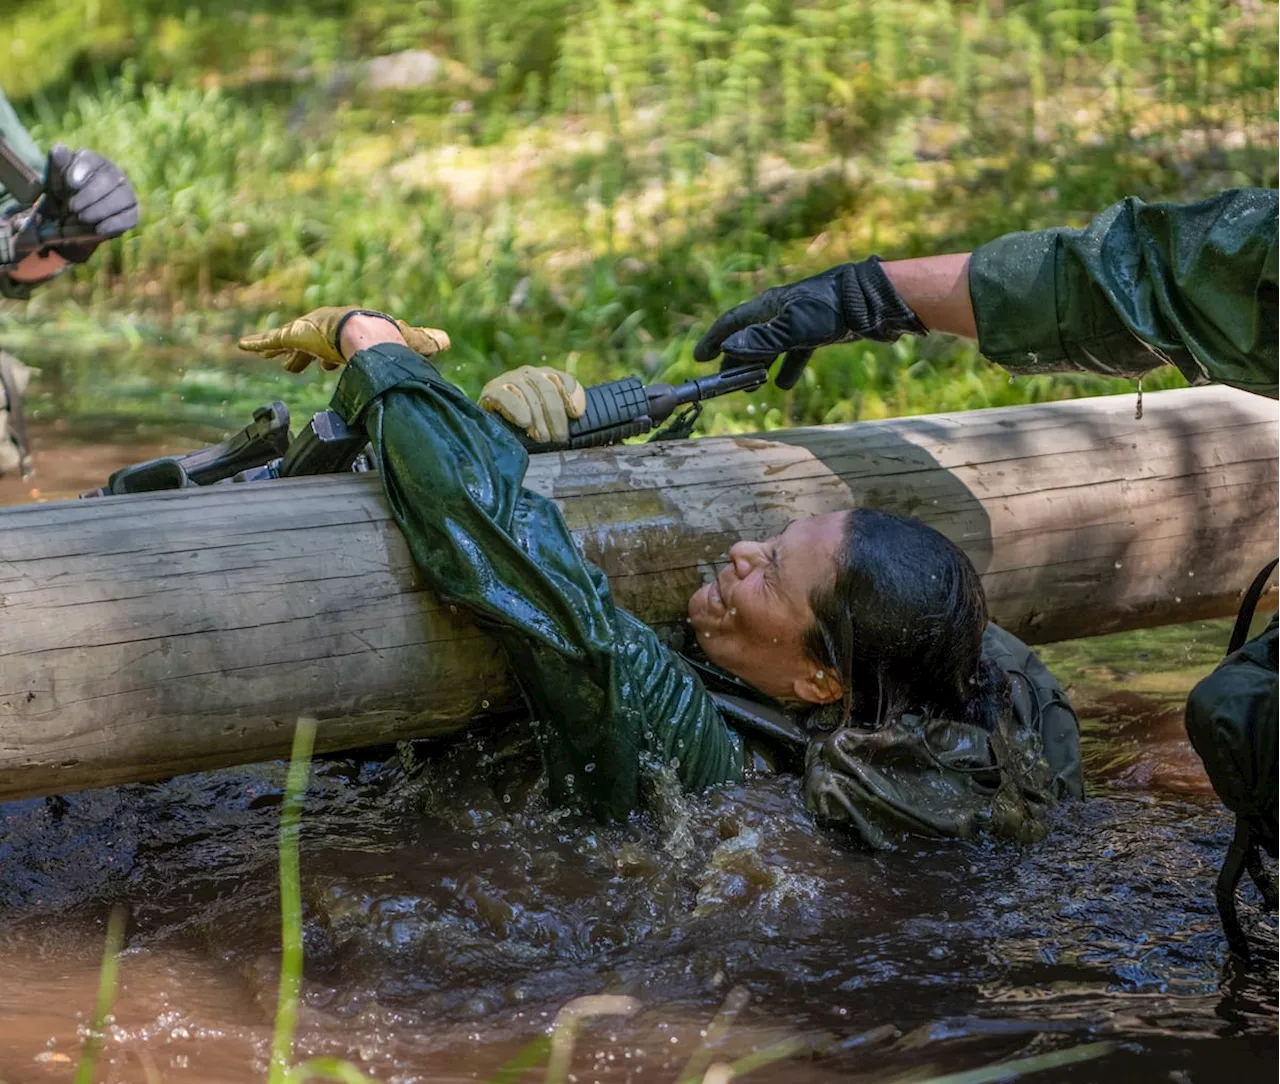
[{"x": 449, "y": 914}]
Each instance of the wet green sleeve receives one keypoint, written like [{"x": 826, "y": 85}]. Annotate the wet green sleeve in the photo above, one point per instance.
[
  {"x": 453, "y": 476},
  {"x": 1143, "y": 285},
  {"x": 13, "y": 133}
]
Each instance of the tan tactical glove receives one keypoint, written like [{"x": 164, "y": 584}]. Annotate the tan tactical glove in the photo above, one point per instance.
[
  {"x": 538, "y": 400},
  {"x": 314, "y": 337}
]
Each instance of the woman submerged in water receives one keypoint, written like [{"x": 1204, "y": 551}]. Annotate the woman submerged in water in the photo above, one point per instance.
[{"x": 860, "y": 637}]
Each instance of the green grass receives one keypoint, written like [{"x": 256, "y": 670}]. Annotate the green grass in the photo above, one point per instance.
[
  {"x": 591, "y": 182},
  {"x": 107, "y": 979}
]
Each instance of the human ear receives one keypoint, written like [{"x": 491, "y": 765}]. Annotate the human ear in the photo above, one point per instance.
[{"x": 819, "y": 686}]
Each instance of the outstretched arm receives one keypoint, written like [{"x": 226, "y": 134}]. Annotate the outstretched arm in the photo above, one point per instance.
[
  {"x": 604, "y": 688},
  {"x": 1142, "y": 286}
]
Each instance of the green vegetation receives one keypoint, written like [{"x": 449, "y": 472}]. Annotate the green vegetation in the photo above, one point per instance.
[
  {"x": 587, "y": 182},
  {"x": 108, "y": 975}
]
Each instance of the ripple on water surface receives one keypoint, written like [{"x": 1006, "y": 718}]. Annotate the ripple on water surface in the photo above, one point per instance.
[{"x": 449, "y": 915}]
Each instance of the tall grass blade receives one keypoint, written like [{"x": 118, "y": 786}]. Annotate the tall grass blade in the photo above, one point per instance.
[
  {"x": 529, "y": 1057},
  {"x": 327, "y": 1069},
  {"x": 700, "y": 1059},
  {"x": 295, "y": 789},
  {"x": 107, "y": 977},
  {"x": 568, "y": 1023},
  {"x": 1014, "y": 1070}
]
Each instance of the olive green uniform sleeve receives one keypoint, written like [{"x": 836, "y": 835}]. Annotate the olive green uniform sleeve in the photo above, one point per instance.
[
  {"x": 607, "y": 694},
  {"x": 1145, "y": 284},
  {"x": 937, "y": 777},
  {"x": 13, "y": 133}
]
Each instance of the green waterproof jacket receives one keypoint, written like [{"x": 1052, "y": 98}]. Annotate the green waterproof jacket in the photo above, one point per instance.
[
  {"x": 1145, "y": 284},
  {"x": 13, "y": 133},
  {"x": 611, "y": 700}
]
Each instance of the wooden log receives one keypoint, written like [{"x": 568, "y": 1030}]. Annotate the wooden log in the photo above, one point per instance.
[{"x": 146, "y": 636}]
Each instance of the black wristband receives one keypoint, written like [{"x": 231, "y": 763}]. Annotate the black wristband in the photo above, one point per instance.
[
  {"x": 871, "y": 305},
  {"x": 337, "y": 331}
]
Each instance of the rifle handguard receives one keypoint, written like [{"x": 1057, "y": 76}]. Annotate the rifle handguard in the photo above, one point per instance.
[{"x": 615, "y": 411}]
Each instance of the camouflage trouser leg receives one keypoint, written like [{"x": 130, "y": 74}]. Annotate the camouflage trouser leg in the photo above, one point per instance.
[{"x": 15, "y": 452}]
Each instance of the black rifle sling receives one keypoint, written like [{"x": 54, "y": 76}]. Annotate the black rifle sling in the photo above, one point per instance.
[
  {"x": 1250, "y": 603},
  {"x": 749, "y": 711}
]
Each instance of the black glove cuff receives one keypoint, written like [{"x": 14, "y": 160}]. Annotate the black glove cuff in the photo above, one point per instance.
[
  {"x": 337, "y": 331},
  {"x": 872, "y": 307}
]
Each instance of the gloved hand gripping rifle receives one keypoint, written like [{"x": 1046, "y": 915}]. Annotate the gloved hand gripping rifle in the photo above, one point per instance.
[
  {"x": 327, "y": 445},
  {"x": 27, "y": 230}
]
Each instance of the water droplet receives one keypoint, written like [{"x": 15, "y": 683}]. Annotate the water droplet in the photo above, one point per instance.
[
  {"x": 1192, "y": 574},
  {"x": 1119, "y": 565},
  {"x": 589, "y": 767},
  {"x": 706, "y": 636},
  {"x": 484, "y": 703},
  {"x": 733, "y": 612},
  {"x": 820, "y": 675},
  {"x": 1177, "y": 598}
]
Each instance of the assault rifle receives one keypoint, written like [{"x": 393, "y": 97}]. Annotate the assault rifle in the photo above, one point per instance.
[{"x": 327, "y": 445}]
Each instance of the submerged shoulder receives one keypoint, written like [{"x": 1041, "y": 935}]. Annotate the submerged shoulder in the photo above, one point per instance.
[
  {"x": 1040, "y": 709},
  {"x": 681, "y": 723}
]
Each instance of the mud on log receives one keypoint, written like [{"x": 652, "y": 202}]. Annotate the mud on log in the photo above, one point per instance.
[{"x": 146, "y": 636}]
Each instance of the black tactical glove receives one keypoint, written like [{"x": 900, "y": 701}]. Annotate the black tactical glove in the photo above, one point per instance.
[
  {"x": 89, "y": 198},
  {"x": 852, "y": 301}
]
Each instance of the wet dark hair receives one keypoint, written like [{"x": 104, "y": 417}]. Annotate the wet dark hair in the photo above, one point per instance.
[{"x": 901, "y": 626}]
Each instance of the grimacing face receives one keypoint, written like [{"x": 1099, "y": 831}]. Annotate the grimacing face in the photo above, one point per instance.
[{"x": 752, "y": 617}]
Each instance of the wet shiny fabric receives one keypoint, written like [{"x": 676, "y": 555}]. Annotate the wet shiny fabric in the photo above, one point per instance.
[
  {"x": 941, "y": 777},
  {"x": 610, "y": 698},
  {"x": 608, "y": 695},
  {"x": 1143, "y": 285}
]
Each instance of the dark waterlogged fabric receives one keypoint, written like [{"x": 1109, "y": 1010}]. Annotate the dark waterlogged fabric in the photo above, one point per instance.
[
  {"x": 612, "y": 699},
  {"x": 1145, "y": 284},
  {"x": 607, "y": 692},
  {"x": 940, "y": 777},
  {"x": 1232, "y": 723}
]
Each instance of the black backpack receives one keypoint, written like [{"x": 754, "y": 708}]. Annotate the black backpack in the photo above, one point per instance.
[{"x": 1232, "y": 723}]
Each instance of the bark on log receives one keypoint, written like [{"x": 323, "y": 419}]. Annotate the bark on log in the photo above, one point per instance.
[{"x": 146, "y": 636}]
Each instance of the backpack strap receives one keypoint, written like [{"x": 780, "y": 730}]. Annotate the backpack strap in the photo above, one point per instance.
[
  {"x": 1250, "y": 603},
  {"x": 1238, "y": 855}
]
